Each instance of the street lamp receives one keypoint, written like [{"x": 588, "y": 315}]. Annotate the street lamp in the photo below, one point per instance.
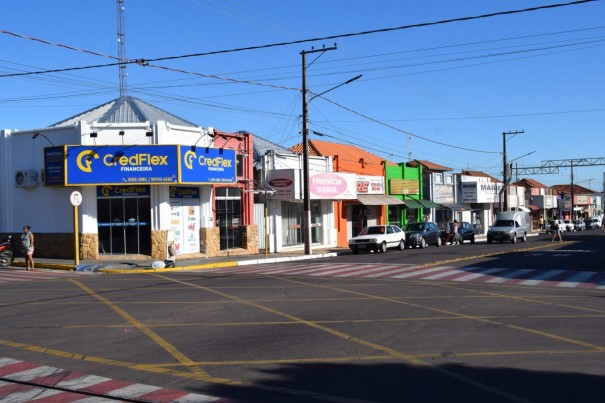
[
  {"x": 305, "y": 135},
  {"x": 36, "y": 134}
]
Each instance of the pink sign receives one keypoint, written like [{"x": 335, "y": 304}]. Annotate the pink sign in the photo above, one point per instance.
[{"x": 333, "y": 186}]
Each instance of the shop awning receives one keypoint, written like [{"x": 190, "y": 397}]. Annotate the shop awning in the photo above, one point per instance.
[
  {"x": 533, "y": 207},
  {"x": 523, "y": 208},
  {"x": 412, "y": 204},
  {"x": 378, "y": 200},
  {"x": 427, "y": 203},
  {"x": 455, "y": 206}
]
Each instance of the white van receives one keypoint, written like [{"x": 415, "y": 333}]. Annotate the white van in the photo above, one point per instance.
[{"x": 509, "y": 226}]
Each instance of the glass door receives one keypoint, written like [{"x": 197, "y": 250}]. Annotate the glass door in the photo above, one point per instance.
[{"x": 124, "y": 225}]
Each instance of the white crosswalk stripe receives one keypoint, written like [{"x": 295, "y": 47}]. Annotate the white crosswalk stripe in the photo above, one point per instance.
[
  {"x": 15, "y": 276},
  {"x": 490, "y": 275}
]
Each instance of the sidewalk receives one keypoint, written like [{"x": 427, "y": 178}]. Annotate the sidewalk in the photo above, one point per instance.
[
  {"x": 132, "y": 266},
  {"x": 145, "y": 266}
]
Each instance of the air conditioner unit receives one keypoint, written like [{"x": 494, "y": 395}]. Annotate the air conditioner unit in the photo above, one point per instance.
[{"x": 26, "y": 179}]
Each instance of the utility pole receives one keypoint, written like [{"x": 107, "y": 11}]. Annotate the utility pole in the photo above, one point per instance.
[
  {"x": 305, "y": 134},
  {"x": 505, "y": 170}
]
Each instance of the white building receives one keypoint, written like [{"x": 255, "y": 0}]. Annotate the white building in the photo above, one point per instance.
[{"x": 131, "y": 162}]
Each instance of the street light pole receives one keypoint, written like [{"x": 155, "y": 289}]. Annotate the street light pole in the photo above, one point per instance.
[
  {"x": 505, "y": 169},
  {"x": 305, "y": 136}
]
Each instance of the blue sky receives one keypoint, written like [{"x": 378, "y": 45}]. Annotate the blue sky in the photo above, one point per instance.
[{"x": 443, "y": 93}]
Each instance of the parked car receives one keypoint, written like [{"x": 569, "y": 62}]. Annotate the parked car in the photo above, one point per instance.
[
  {"x": 579, "y": 225},
  {"x": 467, "y": 231},
  {"x": 422, "y": 234},
  {"x": 550, "y": 226},
  {"x": 592, "y": 223},
  {"x": 378, "y": 238},
  {"x": 569, "y": 226}
]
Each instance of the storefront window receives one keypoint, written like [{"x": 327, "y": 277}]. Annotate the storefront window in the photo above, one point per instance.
[
  {"x": 292, "y": 214},
  {"x": 229, "y": 216},
  {"x": 395, "y": 215}
]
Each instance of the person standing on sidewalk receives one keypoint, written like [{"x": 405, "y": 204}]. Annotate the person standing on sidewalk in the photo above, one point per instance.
[{"x": 27, "y": 247}]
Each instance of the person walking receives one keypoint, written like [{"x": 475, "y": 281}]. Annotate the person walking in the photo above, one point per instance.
[
  {"x": 556, "y": 230},
  {"x": 455, "y": 235},
  {"x": 27, "y": 247}
]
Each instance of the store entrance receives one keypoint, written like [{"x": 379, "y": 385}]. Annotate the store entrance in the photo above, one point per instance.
[{"x": 124, "y": 225}]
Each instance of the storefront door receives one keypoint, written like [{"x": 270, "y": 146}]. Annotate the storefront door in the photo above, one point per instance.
[
  {"x": 124, "y": 225},
  {"x": 229, "y": 217}
]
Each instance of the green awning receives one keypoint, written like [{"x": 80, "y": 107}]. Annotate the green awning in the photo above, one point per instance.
[
  {"x": 427, "y": 203},
  {"x": 412, "y": 204}
]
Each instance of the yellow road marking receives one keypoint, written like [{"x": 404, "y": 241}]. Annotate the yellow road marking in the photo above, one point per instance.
[
  {"x": 179, "y": 356},
  {"x": 393, "y": 352},
  {"x": 461, "y": 315}
]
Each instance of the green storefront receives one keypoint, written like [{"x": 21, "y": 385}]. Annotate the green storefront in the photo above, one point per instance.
[{"x": 405, "y": 183}]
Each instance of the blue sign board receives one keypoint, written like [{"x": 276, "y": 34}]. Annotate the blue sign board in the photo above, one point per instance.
[
  {"x": 207, "y": 165},
  {"x": 54, "y": 166},
  {"x": 123, "y": 191},
  {"x": 120, "y": 165},
  {"x": 184, "y": 192}
]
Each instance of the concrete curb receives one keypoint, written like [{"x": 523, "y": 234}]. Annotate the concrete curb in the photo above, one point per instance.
[{"x": 52, "y": 266}]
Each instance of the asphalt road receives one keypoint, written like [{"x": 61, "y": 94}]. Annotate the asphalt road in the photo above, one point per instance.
[{"x": 298, "y": 338}]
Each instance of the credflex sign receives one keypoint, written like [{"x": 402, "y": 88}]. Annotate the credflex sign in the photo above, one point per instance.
[
  {"x": 119, "y": 165},
  {"x": 147, "y": 164},
  {"x": 207, "y": 165}
]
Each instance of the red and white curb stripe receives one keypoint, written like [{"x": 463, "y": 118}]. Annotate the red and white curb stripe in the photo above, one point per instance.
[
  {"x": 490, "y": 275},
  {"x": 38, "y": 383}
]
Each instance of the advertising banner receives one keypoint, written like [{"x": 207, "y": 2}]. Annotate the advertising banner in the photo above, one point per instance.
[
  {"x": 138, "y": 164},
  {"x": 285, "y": 183},
  {"x": 54, "y": 166},
  {"x": 119, "y": 165},
  {"x": 332, "y": 185},
  {"x": 207, "y": 165},
  {"x": 370, "y": 185}
]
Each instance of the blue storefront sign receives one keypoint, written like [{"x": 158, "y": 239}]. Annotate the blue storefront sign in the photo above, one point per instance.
[
  {"x": 123, "y": 191},
  {"x": 184, "y": 192},
  {"x": 207, "y": 165},
  {"x": 78, "y": 165},
  {"x": 119, "y": 165},
  {"x": 54, "y": 166}
]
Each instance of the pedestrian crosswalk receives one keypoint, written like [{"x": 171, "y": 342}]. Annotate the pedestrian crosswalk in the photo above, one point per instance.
[
  {"x": 21, "y": 275},
  {"x": 24, "y": 382},
  {"x": 490, "y": 275}
]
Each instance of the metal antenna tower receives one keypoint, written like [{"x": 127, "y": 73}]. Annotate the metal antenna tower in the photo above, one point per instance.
[{"x": 121, "y": 47}]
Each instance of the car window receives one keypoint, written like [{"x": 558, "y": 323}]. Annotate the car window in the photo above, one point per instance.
[
  {"x": 375, "y": 230},
  {"x": 414, "y": 227},
  {"x": 396, "y": 229},
  {"x": 389, "y": 230}
]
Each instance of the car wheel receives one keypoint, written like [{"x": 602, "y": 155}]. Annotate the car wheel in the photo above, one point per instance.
[
  {"x": 473, "y": 239},
  {"x": 489, "y": 240},
  {"x": 355, "y": 251},
  {"x": 438, "y": 243},
  {"x": 514, "y": 240},
  {"x": 401, "y": 245},
  {"x": 383, "y": 247},
  {"x": 524, "y": 237},
  {"x": 422, "y": 243}
]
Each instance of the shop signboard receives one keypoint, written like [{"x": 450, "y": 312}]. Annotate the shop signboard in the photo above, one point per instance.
[
  {"x": 284, "y": 183},
  {"x": 480, "y": 192},
  {"x": 370, "y": 185},
  {"x": 333, "y": 185},
  {"x": 205, "y": 165},
  {"x": 184, "y": 192},
  {"x": 123, "y": 191},
  {"x": 120, "y": 164},
  {"x": 54, "y": 166}
]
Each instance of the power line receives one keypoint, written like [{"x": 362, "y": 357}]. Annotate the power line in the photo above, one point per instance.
[{"x": 266, "y": 46}]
